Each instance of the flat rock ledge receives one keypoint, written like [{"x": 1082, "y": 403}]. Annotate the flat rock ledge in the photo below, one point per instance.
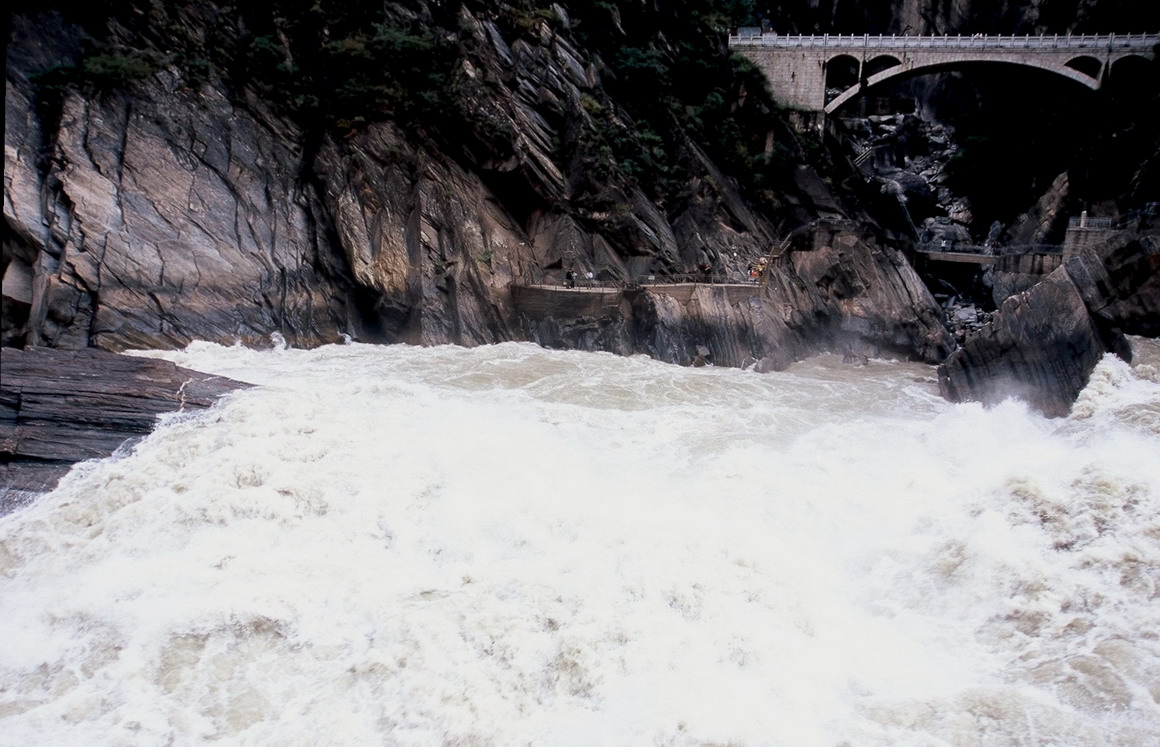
[{"x": 60, "y": 407}]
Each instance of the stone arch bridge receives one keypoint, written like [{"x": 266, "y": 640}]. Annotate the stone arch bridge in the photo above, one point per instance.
[{"x": 799, "y": 68}]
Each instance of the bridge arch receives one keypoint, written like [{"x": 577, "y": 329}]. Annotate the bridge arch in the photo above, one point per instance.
[
  {"x": 797, "y": 66},
  {"x": 843, "y": 71},
  {"x": 1129, "y": 61},
  {"x": 879, "y": 64},
  {"x": 907, "y": 69},
  {"x": 1087, "y": 65}
]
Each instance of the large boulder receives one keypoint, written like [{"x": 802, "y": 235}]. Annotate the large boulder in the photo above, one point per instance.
[
  {"x": 1041, "y": 347},
  {"x": 1120, "y": 284},
  {"x": 1043, "y": 343}
]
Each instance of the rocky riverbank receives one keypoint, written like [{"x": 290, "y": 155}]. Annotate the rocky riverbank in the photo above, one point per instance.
[{"x": 59, "y": 407}]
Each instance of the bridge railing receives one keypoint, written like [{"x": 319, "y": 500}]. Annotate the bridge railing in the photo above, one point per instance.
[
  {"x": 1009, "y": 251},
  {"x": 949, "y": 248},
  {"x": 1143, "y": 42}
]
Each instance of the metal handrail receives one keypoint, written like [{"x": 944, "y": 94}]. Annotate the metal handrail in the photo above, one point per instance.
[
  {"x": 1017, "y": 249},
  {"x": 932, "y": 248},
  {"x": 1096, "y": 223},
  {"x": 984, "y": 250},
  {"x": 697, "y": 278}
]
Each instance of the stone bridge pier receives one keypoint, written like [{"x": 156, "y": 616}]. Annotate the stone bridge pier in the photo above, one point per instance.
[{"x": 821, "y": 73}]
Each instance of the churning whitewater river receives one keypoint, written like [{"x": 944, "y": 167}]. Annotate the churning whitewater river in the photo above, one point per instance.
[{"x": 508, "y": 545}]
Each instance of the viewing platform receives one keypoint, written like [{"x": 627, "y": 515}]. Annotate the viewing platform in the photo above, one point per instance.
[
  {"x": 1082, "y": 232},
  {"x": 975, "y": 255},
  {"x": 593, "y": 298},
  {"x": 1033, "y": 259},
  {"x": 556, "y": 300}
]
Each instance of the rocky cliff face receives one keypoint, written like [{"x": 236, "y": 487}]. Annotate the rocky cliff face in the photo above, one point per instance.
[
  {"x": 173, "y": 209},
  {"x": 194, "y": 178},
  {"x": 831, "y": 289},
  {"x": 151, "y": 220}
]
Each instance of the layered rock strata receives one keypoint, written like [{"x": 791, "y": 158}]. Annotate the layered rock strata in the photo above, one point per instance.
[
  {"x": 59, "y": 407},
  {"x": 175, "y": 211}
]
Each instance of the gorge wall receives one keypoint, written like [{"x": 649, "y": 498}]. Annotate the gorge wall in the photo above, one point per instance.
[
  {"x": 182, "y": 171},
  {"x": 172, "y": 209}
]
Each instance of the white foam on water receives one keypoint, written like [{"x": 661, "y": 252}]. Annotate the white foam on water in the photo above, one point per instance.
[{"x": 509, "y": 545}]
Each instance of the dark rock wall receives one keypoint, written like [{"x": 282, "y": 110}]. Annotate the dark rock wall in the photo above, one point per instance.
[
  {"x": 177, "y": 210},
  {"x": 1120, "y": 283},
  {"x": 154, "y": 219}
]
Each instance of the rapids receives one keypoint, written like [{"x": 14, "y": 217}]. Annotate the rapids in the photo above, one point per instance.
[{"x": 509, "y": 545}]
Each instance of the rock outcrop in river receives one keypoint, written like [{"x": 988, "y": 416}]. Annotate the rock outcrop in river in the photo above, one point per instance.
[
  {"x": 1043, "y": 343},
  {"x": 58, "y": 407}
]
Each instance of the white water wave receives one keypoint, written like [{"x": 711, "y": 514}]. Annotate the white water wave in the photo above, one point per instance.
[{"x": 509, "y": 545}]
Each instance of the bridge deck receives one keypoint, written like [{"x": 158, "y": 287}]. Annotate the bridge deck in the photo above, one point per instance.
[
  {"x": 1144, "y": 42},
  {"x": 1036, "y": 259},
  {"x": 797, "y": 67}
]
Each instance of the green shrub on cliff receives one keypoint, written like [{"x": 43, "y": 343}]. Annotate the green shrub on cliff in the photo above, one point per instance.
[
  {"x": 665, "y": 74},
  {"x": 344, "y": 67},
  {"x": 672, "y": 71},
  {"x": 101, "y": 72}
]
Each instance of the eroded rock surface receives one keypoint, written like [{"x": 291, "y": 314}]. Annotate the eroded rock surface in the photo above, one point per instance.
[
  {"x": 832, "y": 290},
  {"x": 164, "y": 217},
  {"x": 59, "y": 407},
  {"x": 180, "y": 210}
]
